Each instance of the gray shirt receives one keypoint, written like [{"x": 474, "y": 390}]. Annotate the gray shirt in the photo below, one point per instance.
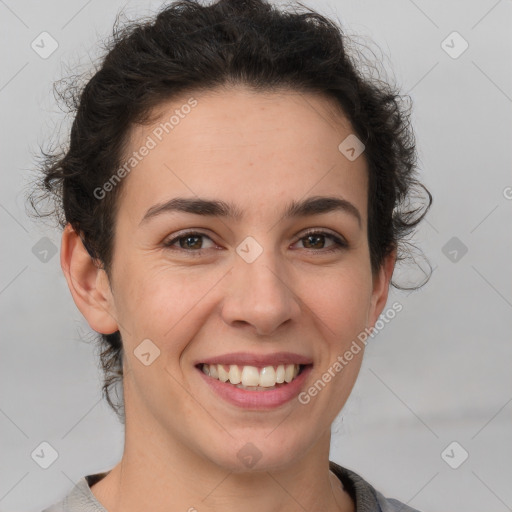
[{"x": 366, "y": 498}]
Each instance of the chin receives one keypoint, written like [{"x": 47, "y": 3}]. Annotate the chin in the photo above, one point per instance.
[{"x": 256, "y": 451}]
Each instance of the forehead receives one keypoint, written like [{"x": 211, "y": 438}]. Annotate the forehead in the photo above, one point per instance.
[{"x": 257, "y": 147}]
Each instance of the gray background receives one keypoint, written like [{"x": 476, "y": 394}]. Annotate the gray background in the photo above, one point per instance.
[{"x": 438, "y": 373}]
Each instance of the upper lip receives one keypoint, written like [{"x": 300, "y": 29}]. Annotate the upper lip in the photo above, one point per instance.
[{"x": 248, "y": 359}]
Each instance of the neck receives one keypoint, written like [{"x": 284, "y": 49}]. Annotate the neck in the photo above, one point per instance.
[{"x": 158, "y": 473}]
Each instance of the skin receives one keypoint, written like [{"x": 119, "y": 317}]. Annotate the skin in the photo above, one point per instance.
[{"x": 181, "y": 439}]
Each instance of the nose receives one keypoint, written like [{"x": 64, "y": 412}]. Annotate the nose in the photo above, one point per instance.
[{"x": 260, "y": 296}]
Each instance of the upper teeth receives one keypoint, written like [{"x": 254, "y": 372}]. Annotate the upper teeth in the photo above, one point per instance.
[{"x": 267, "y": 376}]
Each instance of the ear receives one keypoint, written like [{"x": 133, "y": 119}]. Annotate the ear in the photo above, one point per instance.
[
  {"x": 381, "y": 281},
  {"x": 88, "y": 283}
]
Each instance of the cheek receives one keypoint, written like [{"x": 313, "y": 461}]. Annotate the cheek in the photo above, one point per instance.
[
  {"x": 341, "y": 300},
  {"x": 158, "y": 302}
]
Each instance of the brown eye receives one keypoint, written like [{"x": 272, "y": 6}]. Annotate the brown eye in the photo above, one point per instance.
[
  {"x": 316, "y": 241},
  {"x": 191, "y": 242}
]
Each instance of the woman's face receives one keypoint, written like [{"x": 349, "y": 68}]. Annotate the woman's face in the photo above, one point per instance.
[{"x": 248, "y": 289}]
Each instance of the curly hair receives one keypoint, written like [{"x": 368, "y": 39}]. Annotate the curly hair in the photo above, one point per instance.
[{"x": 191, "y": 47}]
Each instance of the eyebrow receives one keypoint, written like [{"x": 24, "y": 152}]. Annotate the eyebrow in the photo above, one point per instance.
[{"x": 316, "y": 205}]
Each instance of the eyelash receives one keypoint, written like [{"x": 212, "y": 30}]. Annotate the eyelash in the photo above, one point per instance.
[{"x": 340, "y": 244}]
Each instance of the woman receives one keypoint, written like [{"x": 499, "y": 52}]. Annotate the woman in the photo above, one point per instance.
[{"x": 233, "y": 207}]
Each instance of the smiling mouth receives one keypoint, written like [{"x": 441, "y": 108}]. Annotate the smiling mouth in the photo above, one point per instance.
[{"x": 253, "y": 378}]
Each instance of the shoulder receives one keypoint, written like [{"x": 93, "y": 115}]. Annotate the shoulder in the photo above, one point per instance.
[
  {"x": 366, "y": 498},
  {"x": 80, "y": 498}
]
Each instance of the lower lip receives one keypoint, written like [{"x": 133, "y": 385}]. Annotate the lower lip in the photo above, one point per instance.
[{"x": 248, "y": 399}]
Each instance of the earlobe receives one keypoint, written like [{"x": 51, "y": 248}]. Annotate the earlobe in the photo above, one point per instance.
[
  {"x": 381, "y": 283},
  {"x": 88, "y": 283}
]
